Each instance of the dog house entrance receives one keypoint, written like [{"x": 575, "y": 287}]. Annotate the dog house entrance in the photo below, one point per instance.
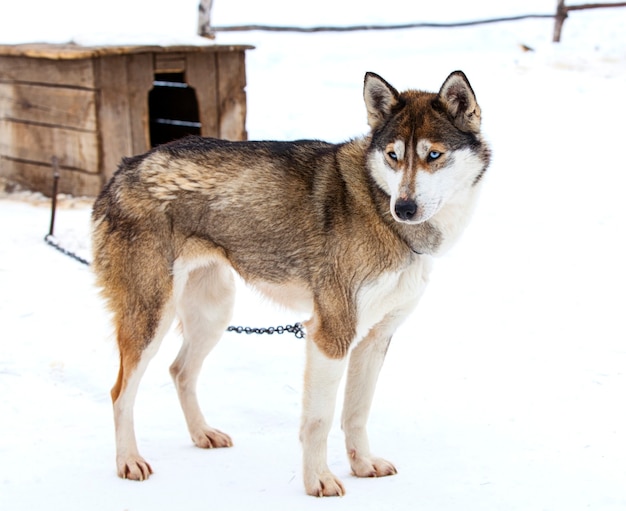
[{"x": 173, "y": 107}]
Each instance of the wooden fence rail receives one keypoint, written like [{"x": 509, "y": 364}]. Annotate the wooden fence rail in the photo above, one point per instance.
[{"x": 206, "y": 30}]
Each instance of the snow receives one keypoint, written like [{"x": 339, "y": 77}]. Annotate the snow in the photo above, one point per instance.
[{"x": 504, "y": 391}]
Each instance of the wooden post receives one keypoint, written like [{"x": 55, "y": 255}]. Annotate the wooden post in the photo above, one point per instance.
[
  {"x": 561, "y": 14},
  {"x": 204, "y": 19}
]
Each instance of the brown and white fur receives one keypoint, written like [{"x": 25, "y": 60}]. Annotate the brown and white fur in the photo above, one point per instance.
[{"x": 344, "y": 232}]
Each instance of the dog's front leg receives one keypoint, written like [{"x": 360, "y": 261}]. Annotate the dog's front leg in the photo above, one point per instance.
[
  {"x": 321, "y": 380},
  {"x": 366, "y": 361}
]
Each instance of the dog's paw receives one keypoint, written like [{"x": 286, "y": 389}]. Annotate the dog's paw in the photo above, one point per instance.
[
  {"x": 210, "y": 438},
  {"x": 371, "y": 467},
  {"x": 134, "y": 467},
  {"x": 324, "y": 485}
]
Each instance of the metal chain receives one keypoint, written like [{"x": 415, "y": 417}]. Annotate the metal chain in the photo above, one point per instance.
[
  {"x": 49, "y": 239},
  {"x": 296, "y": 329}
]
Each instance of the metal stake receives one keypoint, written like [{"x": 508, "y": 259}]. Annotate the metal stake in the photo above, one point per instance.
[{"x": 55, "y": 189}]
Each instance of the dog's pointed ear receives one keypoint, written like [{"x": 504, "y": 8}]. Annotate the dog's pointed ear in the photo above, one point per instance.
[
  {"x": 459, "y": 101},
  {"x": 380, "y": 98}
]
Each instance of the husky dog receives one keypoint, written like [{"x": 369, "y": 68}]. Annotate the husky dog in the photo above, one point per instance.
[{"x": 343, "y": 232}]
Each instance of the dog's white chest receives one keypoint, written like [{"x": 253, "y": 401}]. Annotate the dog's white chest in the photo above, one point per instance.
[{"x": 394, "y": 293}]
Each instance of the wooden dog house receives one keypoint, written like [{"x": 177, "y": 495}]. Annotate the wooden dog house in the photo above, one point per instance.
[{"x": 91, "y": 106}]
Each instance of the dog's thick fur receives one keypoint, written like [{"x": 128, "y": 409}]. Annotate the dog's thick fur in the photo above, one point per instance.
[{"x": 345, "y": 232}]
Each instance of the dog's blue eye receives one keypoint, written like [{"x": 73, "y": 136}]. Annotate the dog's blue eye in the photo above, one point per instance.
[
  {"x": 433, "y": 155},
  {"x": 392, "y": 155}
]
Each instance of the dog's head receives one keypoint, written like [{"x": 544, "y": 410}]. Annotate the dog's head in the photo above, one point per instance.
[{"x": 425, "y": 147}]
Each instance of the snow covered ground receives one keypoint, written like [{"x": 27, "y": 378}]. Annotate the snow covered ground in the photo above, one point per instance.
[{"x": 504, "y": 391}]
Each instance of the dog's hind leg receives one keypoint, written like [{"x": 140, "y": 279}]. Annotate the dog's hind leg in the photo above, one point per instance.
[
  {"x": 205, "y": 298},
  {"x": 134, "y": 358},
  {"x": 366, "y": 361}
]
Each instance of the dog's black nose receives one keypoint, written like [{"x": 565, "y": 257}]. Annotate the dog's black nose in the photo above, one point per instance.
[{"x": 405, "y": 209}]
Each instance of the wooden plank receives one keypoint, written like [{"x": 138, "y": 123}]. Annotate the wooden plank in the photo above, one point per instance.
[
  {"x": 114, "y": 126},
  {"x": 76, "y": 73},
  {"x": 38, "y": 143},
  {"x": 61, "y": 106},
  {"x": 75, "y": 51},
  {"x": 232, "y": 95},
  {"x": 140, "y": 79},
  {"x": 202, "y": 76},
  {"x": 38, "y": 177},
  {"x": 169, "y": 63}
]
